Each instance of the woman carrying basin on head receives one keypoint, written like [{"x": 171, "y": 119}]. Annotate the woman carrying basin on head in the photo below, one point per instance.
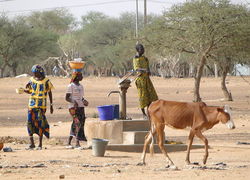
[{"x": 74, "y": 95}]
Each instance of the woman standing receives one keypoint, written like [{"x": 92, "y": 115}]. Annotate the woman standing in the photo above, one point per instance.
[
  {"x": 146, "y": 91},
  {"x": 38, "y": 87},
  {"x": 74, "y": 96}
]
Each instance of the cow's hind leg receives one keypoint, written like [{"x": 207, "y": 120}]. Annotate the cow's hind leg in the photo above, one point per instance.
[
  {"x": 160, "y": 138},
  {"x": 204, "y": 139},
  {"x": 148, "y": 138}
]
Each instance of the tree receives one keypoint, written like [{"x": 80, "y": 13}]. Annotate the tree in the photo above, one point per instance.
[
  {"x": 199, "y": 28},
  {"x": 235, "y": 47},
  {"x": 92, "y": 17},
  {"x": 102, "y": 40},
  {"x": 19, "y": 43},
  {"x": 59, "y": 21},
  {"x": 69, "y": 44}
]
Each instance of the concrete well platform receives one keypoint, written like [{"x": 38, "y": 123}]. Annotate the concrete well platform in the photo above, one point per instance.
[
  {"x": 126, "y": 135},
  {"x": 118, "y": 131}
]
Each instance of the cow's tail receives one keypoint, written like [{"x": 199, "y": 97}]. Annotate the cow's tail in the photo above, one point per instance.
[{"x": 152, "y": 129}]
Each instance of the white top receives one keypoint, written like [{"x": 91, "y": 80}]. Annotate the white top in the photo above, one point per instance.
[{"x": 76, "y": 92}]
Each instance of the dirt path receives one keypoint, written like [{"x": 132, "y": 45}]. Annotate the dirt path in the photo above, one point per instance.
[{"x": 228, "y": 155}]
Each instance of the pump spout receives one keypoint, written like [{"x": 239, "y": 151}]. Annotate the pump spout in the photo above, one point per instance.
[
  {"x": 123, "y": 86},
  {"x": 111, "y": 92}
]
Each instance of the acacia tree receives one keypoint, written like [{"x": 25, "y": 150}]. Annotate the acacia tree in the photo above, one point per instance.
[
  {"x": 236, "y": 48},
  {"x": 61, "y": 23},
  {"x": 58, "y": 21},
  {"x": 199, "y": 28},
  {"x": 92, "y": 17},
  {"x": 4, "y": 24},
  {"x": 105, "y": 40},
  {"x": 69, "y": 45},
  {"x": 19, "y": 43},
  {"x": 11, "y": 41}
]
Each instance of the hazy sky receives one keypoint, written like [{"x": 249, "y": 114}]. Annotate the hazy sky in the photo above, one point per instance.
[{"x": 82, "y": 7}]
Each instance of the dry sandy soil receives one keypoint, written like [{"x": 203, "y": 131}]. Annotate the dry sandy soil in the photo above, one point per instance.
[{"x": 229, "y": 157}]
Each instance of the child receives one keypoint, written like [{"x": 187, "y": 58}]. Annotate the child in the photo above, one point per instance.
[
  {"x": 74, "y": 96},
  {"x": 38, "y": 87}
]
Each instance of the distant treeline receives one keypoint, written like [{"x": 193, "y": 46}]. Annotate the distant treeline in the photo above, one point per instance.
[{"x": 200, "y": 37}]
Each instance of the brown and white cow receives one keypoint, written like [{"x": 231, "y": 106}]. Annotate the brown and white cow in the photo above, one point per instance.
[{"x": 180, "y": 115}]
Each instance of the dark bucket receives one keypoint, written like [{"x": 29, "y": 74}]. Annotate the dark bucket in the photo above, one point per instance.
[
  {"x": 116, "y": 111},
  {"x": 106, "y": 112}
]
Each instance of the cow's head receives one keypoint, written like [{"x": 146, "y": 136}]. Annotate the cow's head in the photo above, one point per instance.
[{"x": 225, "y": 117}]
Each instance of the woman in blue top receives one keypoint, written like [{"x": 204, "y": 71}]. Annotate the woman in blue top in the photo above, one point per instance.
[{"x": 38, "y": 87}]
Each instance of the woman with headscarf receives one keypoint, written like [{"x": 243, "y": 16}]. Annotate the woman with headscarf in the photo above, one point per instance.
[
  {"x": 74, "y": 96},
  {"x": 146, "y": 90},
  {"x": 39, "y": 86}
]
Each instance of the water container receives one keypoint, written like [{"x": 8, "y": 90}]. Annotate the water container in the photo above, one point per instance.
[
  {"x": 99, "y": 147},
  {"x": 116, "y": 111},
  {"x": 106, "y": 112}
]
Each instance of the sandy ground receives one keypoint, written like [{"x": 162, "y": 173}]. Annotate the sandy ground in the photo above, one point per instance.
[{"x": 228, "y": 155}]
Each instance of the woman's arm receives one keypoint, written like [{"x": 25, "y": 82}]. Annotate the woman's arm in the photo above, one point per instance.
[
  {"x": 51, "y": 102},
  {"x": 27, "y": 91},
  {"x": 148, "y": 69},
  {"x": 85, "y": 102},
  {"x": 70, "y": 100},
  {"x": 27, "y": 88}
]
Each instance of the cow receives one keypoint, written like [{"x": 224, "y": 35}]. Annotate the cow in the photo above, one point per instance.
[{"x": 180, "y": 115}]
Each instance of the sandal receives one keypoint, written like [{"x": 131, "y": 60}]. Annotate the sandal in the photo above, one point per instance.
[
  {"x": 77, "y": 147},
  {"x": 39, "y": 148},
  {"x": 69, "y": 147},
  {"x": 30, "y": 147}
]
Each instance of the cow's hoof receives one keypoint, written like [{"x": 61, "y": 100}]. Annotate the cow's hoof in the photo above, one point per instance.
[
  {"x": 172, "y": 167},
  {"x": 205, "y": 160},
  {"x": 192, "y": 164},
  {"x": 195, "y": 163},
  {"x": 141, "y": 164}
]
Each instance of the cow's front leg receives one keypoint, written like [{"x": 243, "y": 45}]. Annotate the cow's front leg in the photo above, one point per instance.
[
  {"x": 190, "y": 138},
  {"x": 160, "y": 133}
]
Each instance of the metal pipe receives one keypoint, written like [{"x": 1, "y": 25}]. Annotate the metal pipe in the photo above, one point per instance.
[
  {"x": 111, "y": 92},
  {"x": 136, "y": 21},
  {"x": 145, "y": 13}
]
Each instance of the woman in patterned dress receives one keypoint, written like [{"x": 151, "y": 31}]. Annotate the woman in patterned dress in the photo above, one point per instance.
[
  {"x": 38, "y": 87},
  {"x": 74, "y": 96},
  {"x": 146, "y": 90}
]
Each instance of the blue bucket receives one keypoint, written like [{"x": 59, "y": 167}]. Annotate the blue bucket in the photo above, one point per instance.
[
  {"x": 106, "y": 112},
  {"x": 116, "y": 111}
]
